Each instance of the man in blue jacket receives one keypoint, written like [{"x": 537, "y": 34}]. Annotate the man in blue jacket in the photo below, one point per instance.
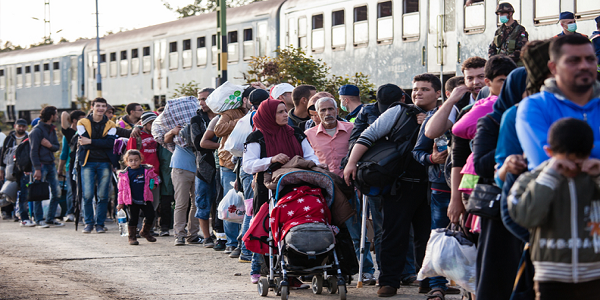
[{"x": 574, "y": 92}]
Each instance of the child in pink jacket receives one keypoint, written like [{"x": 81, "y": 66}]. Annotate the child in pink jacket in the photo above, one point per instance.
[{"x": 135, "y": 185}]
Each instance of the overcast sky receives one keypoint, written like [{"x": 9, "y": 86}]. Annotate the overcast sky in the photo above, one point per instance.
[{"x": 76, "y": 18}]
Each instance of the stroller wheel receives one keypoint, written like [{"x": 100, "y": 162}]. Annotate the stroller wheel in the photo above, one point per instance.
[
  {"x": 285, "y": 292},
  {"x": 317, "y": 284},
  {"x": 263, "y": 287},
  {"x": 343, "y": 292},
  {"x": 332, "y": 285}
]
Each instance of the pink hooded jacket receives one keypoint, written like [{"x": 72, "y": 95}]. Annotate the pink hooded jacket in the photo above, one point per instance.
[{"x": 124, "y": 196}]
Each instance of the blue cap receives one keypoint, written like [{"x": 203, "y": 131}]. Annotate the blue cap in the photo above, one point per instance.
[
  {"x": 597, "y": 19},
  {"x": 349, "y": 90},
  {"x": 35, "y": 122},
  {"x": 566, "y": 15}
]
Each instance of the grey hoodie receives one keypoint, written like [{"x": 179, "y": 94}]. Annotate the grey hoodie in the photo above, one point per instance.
[{"x": 40, "y": 154}]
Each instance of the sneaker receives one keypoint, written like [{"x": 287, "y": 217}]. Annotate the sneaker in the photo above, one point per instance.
[
  {"x": 69, "y": 218},
  {"x": 255, "y": 278},
  {"x": 55, "y": 223},
  {"x": 180, "y": 241},
  {"x": 27, "y": 223},
  {"x": 164, "y": 233},
  {"x": 220, "y": 245},
  {"x": 42, "y": 224},
  {"x": 245, "y": 258},
  {"x": 5, "y": 215},
  {"x": 100, "y": 229},
  {"x": 368, "y": 278},
  {"x": 229, "y": 250},
  {"x": 153, "y": 233},
  {"x": 209, "y": 242},
  {"x": 196, "y": 240},
  {"x": 410, "y": 280},
  {"x": 236, "y": 252},
  {"x": 88, "y": 228}
]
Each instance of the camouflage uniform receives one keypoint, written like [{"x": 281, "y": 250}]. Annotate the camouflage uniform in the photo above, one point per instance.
[{"x": 509, "y": 40}]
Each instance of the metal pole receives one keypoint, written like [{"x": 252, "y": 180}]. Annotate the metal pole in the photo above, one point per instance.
[
  {"x": 98, "y": 75},
  {"x": 222, "y": 41},
  {"x": 363, "y": 236}
]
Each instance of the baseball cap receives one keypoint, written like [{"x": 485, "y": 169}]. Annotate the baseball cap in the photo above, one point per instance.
[
  {"x": 148, "y": 117},
  {"x": 21, "y": 122},
  {"x": 349, "y": 90},
  {"x": 597, "y": 19},
  {"x": 566, "y": 15},
  {"x": 257, "y": 96},
  {"x": 387, "y": 94},
  {"x": 280, "y": 89}
]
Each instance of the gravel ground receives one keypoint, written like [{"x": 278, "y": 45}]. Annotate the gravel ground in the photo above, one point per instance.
[{"x": 61, "y": 263}]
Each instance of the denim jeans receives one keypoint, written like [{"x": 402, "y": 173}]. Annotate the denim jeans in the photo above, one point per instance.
[
  {"x": 205, "y": 197},
  {"x": 38, "y": 212},
  {"x": 69, "y": 184},
  {"x": 354, "y": 226},
  {"x": 248, "y": 194},
  {"x": 50, "y": 175},
  {"x": 439, "y": 219},
  {"x": 95, "y": 174},
  {"x": 232, "y": 230}
]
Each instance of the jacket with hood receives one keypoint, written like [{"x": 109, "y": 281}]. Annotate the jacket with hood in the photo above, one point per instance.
[
  {"x": 123, "y": 122},
  {"x": 124, "y": 196},
  {"x": 103, "y": 135},
  {"x": 40, "y": 154},
  {"x": 294, "y": 120},
  {"x": 562, "y": 214},
  {"x": 9, "y": 142},
  {"x": 536, "y": 114}
]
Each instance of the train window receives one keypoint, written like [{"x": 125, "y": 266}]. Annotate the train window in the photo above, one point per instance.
[
  {"x": 124, "y": 63},
  {"x": 262, "y": 38},
  {"x": 411, "y": 20},
  {"x": 135, "y": 61},
  {"x": 214, "y": 49},
  {"x": 134, "y": 53},
  {"x": 36, "y": 68},
  {"x": 37, "y": 76},
  {"x": 2, "y": 79},
  {"x": 56, "y": 72},
  {"x": 411, "y": 6},
  {"x": 172, "y": 47},
  {"x": 361, "y": 26},
  {"x": 474, "y": 22},
  {"x": 113, "y": 56},
  {"x": 516, "y": 5},
  {"x": 27, "y": 76},
  {"x": 173, "y": 56},
  {"x": 112, "y": 68},
  {"x": 318, "y": 33},
  {"x": 147, "y": 60},
  {"x": 546, "y": 11},
  {"x": 232, "y": 47},
  {"x": 248, "y": 44},
  {"x": 19, "y": 78},
  {"x": 19, "y": 71},
  {"x": 27, "y": 69},
  {"x": 46, "y": 68},
  {"x": 385, "y": 23},
  {"x": 201, "y": 56},
  {"x": 338, "y": 30},
  {"x": 586, "y": 8},
  {"x": 186, "y": 55},
  {"x": 102, "y": 58},
  {"x": 450, "y": 15},
  {"x": 302, "y": 33}
]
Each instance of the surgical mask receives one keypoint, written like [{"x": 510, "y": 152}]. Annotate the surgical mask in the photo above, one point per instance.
[
  {"x": 343, "y": 107},
  {"x": 503, "y": 19},
  {"x": 572, "y": 27}
]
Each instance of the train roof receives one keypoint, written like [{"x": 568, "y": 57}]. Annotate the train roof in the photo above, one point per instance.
[{"x": 43, "y": 52}]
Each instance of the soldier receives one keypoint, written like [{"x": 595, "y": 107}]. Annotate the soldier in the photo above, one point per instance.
[
  {"x": 568, "y": 24},
  {"x": 596, "y": 41},
  {"x": 510, "y": 37}
]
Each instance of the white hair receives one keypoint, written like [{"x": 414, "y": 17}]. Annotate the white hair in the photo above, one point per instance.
[{"x": 323, "y": 100}]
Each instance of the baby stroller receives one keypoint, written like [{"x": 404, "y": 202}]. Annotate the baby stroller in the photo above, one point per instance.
[{"x": 302, "y": 248}]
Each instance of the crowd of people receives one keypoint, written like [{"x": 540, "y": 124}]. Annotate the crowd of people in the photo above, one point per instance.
[{"x": 527, "y": 135}]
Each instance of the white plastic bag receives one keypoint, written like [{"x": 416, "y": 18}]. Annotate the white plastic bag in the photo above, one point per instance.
[
  {"x": 231, "y": 208},
  {"x": 446, "y": 256},
  {"x": 225, "y": 97},
  {"x": 237, "y": 138}
]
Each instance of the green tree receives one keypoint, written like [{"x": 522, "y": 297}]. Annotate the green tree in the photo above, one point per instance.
[
  {"x": 42, "y": 43},
  {"x": 63, "y": 40},
  {"x": 203, "y": 6},
  {"x": 9, "y": 46},
  {"x": 186, "y": 89}
]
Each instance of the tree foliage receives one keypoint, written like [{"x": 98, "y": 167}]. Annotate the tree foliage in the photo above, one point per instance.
[
  {"x": 9, "y": 46},
  {"x": 203, "y": 6},
  {"x": 186, "y": 89}
]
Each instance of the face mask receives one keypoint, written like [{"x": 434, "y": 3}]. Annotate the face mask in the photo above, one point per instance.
[
  {"x": 503, "y": 19},
  {"x": 343, "y": 107},
  {"x": 572, "y": 27}
]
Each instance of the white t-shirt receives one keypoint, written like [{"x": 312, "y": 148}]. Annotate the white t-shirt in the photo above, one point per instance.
[{"x": 453, "y": 114}]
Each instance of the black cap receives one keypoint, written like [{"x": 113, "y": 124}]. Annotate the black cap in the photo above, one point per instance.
[
  {"x": 257, "y": 96},
  {"x": 247, "y": 92},
  {"x": 22, "y": 122},
  {"x": 388, "y": 94},
  {"x": 597, "y": 20},
  {"x": 504, "y": 8},
  {"x": 566, "y": 15}
]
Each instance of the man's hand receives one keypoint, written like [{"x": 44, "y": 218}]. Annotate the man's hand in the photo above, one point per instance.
[
  {"x": 61, "y": 173},
  {"x": 564, "y": 166},
  {"x": 350, "y": 173},
  {"x": 37, "y": 175},
  {"x": 421, "y": 117},
  {"x": 439, "y": 157},
  {"x": 46, "y": 143},
  {"x": 515, "y": 164},
  {"x": 175, "y": 131},
  {"x": 458, "y": 93},
  {"x": 1, "y": 175},
  {"x": 455, "y": 210},
  {"x": 280, "y": 158},
  {"x": 591, "y": 166},
  {"x": 258, "y": 85},
  {"x": 120, "y": 206},
  {"x": 135, "y": 132},
  {"x": 84, "y": 141}
]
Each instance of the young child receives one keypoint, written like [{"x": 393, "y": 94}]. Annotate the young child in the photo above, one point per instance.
[
  {"x": 559, "y": 202},
  {"x": 136, "y": 183}
]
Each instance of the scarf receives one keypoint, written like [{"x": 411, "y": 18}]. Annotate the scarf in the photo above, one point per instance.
[{"x": 278, "y": 139}]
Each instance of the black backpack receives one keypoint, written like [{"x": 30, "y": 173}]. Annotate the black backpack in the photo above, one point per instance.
[
  {"x": 22, "y": 157},
  {"x": 387, "y": 160}
]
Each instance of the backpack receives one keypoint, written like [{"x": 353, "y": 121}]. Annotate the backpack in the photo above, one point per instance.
[
  {"x": 257, "y": 236},
  {"x": 387, "y": 160},
  {"x": 23, "y": 157}
]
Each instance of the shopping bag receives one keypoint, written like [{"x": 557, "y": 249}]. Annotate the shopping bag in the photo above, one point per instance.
[
  {"x": 236, "y": 140},
  {"x": 450, "y": 254},
  {"x": 225, "y": 97},
  {"x": 232, "y": 208},
  {"x": 38, "y": 191}
]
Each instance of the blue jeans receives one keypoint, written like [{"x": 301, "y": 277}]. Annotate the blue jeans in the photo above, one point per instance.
[
  {"x": 50, "y": 175},
  {"x": 439, "y": 219},
  {"x": 232, "y": 230},
  {"x": 248, "y": 194},
  {"x": 205, "y": 197},
  {"x": 38, "y": 212},
  {"x": 354, "y": 225},
  {"x": 70, "y": 208},
  {"x": 95, "y": 174}
]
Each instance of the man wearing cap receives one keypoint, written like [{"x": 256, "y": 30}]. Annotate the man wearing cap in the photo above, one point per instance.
[
  {"x": 510, "y": 37},
  {"x": 596, "y": 42},
  {"x": 283, "y": 92},
  {"x": 568, "y": 24},
  {"x": 350, "y": 101}
]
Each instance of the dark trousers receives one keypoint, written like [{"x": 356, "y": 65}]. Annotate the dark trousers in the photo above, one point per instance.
[
  {"x": 498, "y": 256},
  {"x": 552, "y": 290},
  {"x": 399, "y": 212},
  {"x": 134, "y": 213},
  {"x": 165, "y": 211}
]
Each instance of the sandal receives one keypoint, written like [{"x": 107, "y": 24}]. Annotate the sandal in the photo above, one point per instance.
[{"x": 437, "y": 293}]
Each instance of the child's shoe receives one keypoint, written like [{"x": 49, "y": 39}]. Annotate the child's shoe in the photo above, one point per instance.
[{"x": 132, "y": 238}]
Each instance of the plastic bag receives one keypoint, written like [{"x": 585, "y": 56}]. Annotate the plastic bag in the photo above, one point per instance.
[
  {"x": 232, "y": 208},
  {"x": 225, "y": 97},
  {"x": 451, "y": 255},
  {"x": 236, "y": 140}
]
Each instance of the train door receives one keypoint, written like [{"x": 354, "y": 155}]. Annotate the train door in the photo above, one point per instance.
[
  {"x": 441, "y": 38},
  {"x": 160, "y": 68}
]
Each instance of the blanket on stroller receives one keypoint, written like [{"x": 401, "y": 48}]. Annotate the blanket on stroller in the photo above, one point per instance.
[{"x": 300, "y": 206}]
